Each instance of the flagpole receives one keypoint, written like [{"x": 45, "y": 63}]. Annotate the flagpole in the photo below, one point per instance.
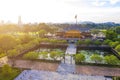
[{"x": 76, "y": 18}]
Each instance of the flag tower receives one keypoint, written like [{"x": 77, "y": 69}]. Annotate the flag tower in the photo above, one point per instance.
[
  {"x": 19, "y": 21},
  {"x": 76, "y": 18}
]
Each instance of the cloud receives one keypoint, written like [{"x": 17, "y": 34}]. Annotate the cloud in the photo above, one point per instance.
[
  {"x": 105, "y": 3},
  {"x": 99, "y": 3},
  {"x": 114, "y": 1},
  {"x": 60, "y": 10}
]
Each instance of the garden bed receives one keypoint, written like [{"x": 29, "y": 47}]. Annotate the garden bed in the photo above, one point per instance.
[{"x": 97, "y": 58}]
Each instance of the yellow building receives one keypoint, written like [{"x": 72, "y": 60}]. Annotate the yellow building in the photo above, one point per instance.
[{"x": 72, "y": 34}]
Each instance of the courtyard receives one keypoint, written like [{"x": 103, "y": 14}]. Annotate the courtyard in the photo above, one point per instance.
[{"x": 65, "y": 70}]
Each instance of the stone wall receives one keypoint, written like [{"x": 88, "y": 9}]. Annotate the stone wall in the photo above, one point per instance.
[{"x": 96, "y": 70}]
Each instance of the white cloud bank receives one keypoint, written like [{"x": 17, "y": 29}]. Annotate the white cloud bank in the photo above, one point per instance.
[
  {"x": 58, "y": 10},
  {"x": 114, "y": 1}
]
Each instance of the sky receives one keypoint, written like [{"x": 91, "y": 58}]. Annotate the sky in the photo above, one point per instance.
[{"x": 58, "y": 11}]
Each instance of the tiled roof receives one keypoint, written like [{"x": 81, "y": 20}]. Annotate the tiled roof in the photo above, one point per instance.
[{"x": 75, "y": 27}]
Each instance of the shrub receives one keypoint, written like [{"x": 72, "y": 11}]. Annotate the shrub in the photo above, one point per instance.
[
  {"x": 31, "y": 55},
  {"x": 88, "y": 41},
  {"x": 97, "y": 42},
  {"x": 97, "y": 58},
  {"x": 8, "y": 73},
  {"x": 111, "y": 59},
  {"x": 107, "y": 41},
  {"x": 117, "y": 48},
  {"x": 114, "y": 44},
  {"x": 55, "y": 54},
  {"x": 12, "y": 53},
  {"x": 79, "y": 58},
  {"x": 6, "y": 70},
  {"x": 44, "y": 54}
]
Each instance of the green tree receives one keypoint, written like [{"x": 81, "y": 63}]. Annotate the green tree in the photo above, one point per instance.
[
  {"x": 2, "y": 55},
  {"x": 107, "y": 41},
  {"x": 53, "y": 41},
  {"x": 19, "y": 48},
  {"x": 12, "y": 53},
  {"x": 79, "y": 57},
  {"x": 117, "y": 30},
  {"x": 110, "y": 34},
  {"x": 8, "y": 73},
  {"x": 44, "y": 54},
  {"x": 95, "y": 31},
  {"x": 117, "y": 48},
  {"x": 31, "y": 55},
  {"x": 42, "y": 33},
  {"x": 7, "y": 42},
  {"x": 111, "y": 59},
  {"x": 88, "y": 41},
  {"x": 97, "y": 42},
  {"x": 119, "y": 53},
  {"x": 55, "y": 54},
  {"x": 116, "y": 78},
  {"x": 25, "y": 38},
  {"x": 47, "y": 28},
  {"x": 80, "y": 42},
  {"x": 6, "y": 70},
  {"x": 114, "y": 44},
  {"x": 97, "y": 58}
]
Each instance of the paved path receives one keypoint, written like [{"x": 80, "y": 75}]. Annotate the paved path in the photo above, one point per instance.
[
  {"x": 71, "y": 49},
  {"x": 66, "y": 68},
  {"x": 46, "y": 75},
  {"x": 69, "y": 65}
]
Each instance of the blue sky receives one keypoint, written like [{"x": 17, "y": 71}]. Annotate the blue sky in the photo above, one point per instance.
[{"x": 60, "y": 10}]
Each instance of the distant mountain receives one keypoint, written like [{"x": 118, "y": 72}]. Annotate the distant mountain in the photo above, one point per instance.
[
  {"x": 86, "y": 22},
  {"x": 89, "y": 24},
  {"x": 99, "y": 25}
]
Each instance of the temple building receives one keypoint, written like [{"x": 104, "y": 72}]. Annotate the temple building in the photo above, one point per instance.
[{"x": 74, "y": 32}]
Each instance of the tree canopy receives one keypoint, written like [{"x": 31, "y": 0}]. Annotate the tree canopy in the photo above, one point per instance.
[
  {"x": 7, "y": 42},
  {"x": 97, "y": 58},
  {"x": 79, "y": 57},
  {"x": 111, "y": 59}
]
